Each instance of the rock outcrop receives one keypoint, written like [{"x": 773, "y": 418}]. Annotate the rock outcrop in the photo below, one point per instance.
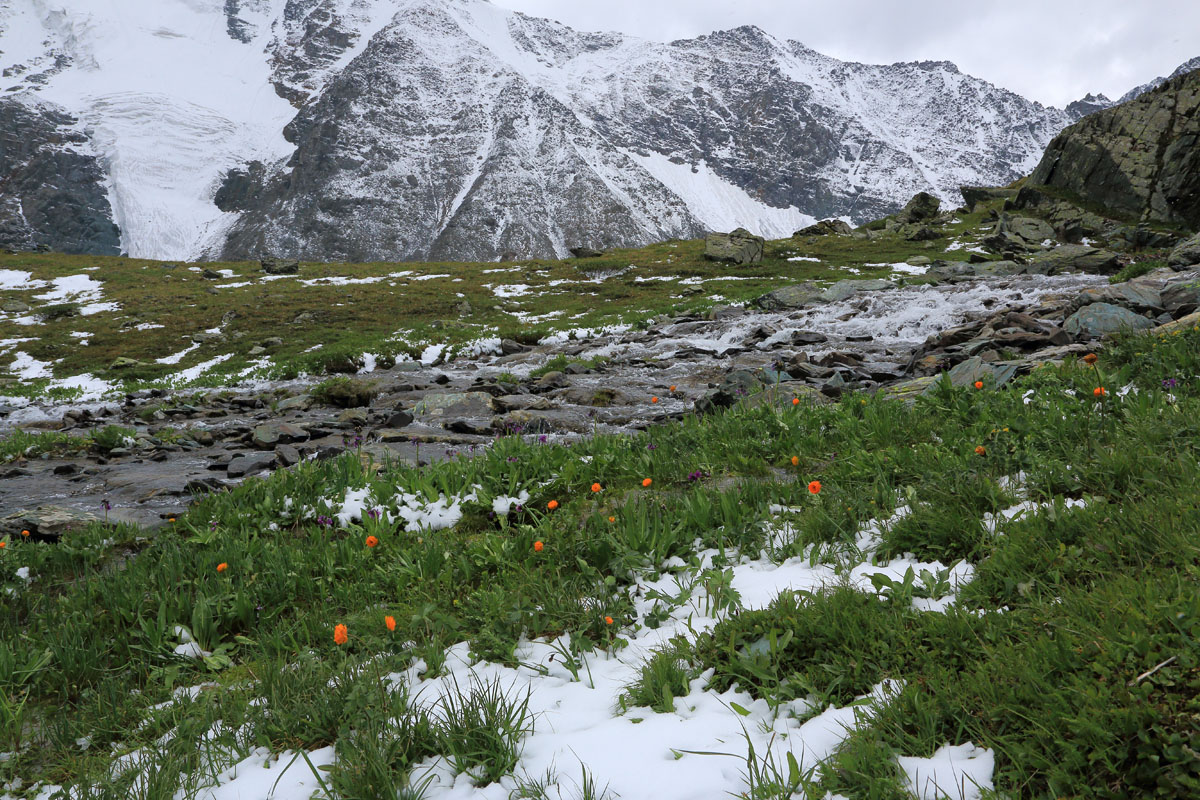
[
  {"x": 737, "y": 247},
  {"x": 1138, "y": 160}
]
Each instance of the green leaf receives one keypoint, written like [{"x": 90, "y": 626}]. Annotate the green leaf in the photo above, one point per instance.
[{"x": 745, "y": 712}]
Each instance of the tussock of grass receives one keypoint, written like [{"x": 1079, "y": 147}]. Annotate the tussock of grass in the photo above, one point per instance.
[{"x": 1093, "y": 597}]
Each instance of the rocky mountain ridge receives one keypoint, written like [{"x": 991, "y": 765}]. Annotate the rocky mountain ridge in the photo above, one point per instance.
[{"x": 409, "y": 129}]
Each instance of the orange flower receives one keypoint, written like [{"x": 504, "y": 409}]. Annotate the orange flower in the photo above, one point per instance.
[
  {"x": 1099, "y": 391},
  {"x": 978, "y": 384},
  {"x": 608, "y": 620},
  {"x": 222, "y": 567},
  {"x": 1091, "y": 358},
  {"x": 815, "y": 487},
  {"x": 795, "y": 401},
  {"x": 553, "y": 504},
  {"x": 390, "y": 622},
  {"x": 340, "y": 635},
  {"x": 671, "y": 388},
  {"x": 612, "y": 519},
  {"x": 170, "y": 519},
  {"x": 3, "y": 545},
  {"x": 653, "y": 399},
  {"x": 795, "y": 461},
  {"x": 596, "y": 487},
  {"x": 25, "y": 533},
  {"x": 372, "y": 541},
  {"x": 537, "y": 547},
  {"x": 646, "y": 483},
  {"x": 980, "y": 450}
]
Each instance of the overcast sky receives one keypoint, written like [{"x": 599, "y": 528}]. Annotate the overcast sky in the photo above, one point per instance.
[{"x": 1053, "y": 51}]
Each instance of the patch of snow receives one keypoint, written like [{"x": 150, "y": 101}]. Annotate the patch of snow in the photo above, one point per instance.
[
  {"x": 953, "y": 772},
  {"x": 18, "y": 279}
]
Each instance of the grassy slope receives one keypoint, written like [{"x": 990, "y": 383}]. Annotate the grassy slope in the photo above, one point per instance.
[
  {"x": 399, "y": 316},
  {"x": 1094, "y": 597}
]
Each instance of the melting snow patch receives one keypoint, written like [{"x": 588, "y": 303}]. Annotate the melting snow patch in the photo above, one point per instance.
[
  {"x": 27, "y": 368},
  {"x": 177, "y": 357},
  {"x": 432, "y": 354},
  {"x": 513, "y": 290},
  {"x": 956, "y": 772},
  {"x": 78, "y": 288},
  {"x": 18, "y": 279},
  {"x": 195, "y": 372},
  {"x": 804, "y": 258}
]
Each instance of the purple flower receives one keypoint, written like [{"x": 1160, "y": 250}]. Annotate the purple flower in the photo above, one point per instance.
[
  {"x": 491, "y": 515},
  {"x": 373, "y": 513},
  {"x": 651, "y": 447},
  {"x": 512, "y": 459},
  {"x": 324, "y": 521},
  {"x": 105, "y": 504},
  {"x": 542, "y": 439},
  {"x": 1170, "y": 383},
  {"x": 520, "y": 508}
]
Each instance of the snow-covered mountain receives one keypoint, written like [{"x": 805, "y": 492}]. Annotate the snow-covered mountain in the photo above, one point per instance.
[{"x": 402, "y": 129}]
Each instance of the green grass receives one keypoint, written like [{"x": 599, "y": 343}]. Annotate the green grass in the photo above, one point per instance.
[{"x": 1094, "y": 596}]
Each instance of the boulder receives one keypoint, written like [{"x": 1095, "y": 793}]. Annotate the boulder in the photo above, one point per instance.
[
  {"x": 346, "y": 393},
  {"x": 921, "y": 207},
  {"x": 45, "y": 523},
  {"x": 795, "y": 296},
  {"x": 843, "y": 290},
  {"x": 270, "y": 434},
  {"x": 1186, "y": 254},
  {"x": 1074, "y": 257},
  {"x": 280, "y": 266},
  {"x": 250, "y": 464},
  {"x": 436, "y": 407},
  {"x": 585, "y": 252},
  {"x": 1101, "y": 319},
  {"x": 14, "y": 307},
  {"x": 734, "y": 387},
  {"x": 1136, "y": 297},
  {"x": 1031, "y": 229},
  {"x": 1139, "y": 160},
  {"x": 737, "y": 247},
  {"x": 1182, "y": 296},
  {"x": 826, "y": 227}
]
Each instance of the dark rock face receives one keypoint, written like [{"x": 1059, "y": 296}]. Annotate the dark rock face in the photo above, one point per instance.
[
  {"x": 52, "y": 193},
  {"x": 1140, "y": 160},
  {"x": 738, "y": 247},
  {"x": 426, "y": 145}
]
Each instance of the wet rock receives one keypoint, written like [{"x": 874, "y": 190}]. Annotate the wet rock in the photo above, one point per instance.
[
  {"x": 439, "y": 407},
  {"x": 287, "y": 455},
  {"x": 1101, "y": 319},
  {"x": 14, "y": 307},
  {"x": 399, "y": 419},
  {"x": 738, "y": 247},
  {"x": 301, "y": 402},
  {"x": 984, "y": 194},
  {"x": 919, "y": 261},
  {"x": 510, "y": 347},
  {"x": 348, "y": 393},
  {"x": 976, "y": 369},
  {"x": 478, "y": 427},
  {"x": 267, "y": 436},
  {"x": 352, "y": 418},
  {"x": 1074, "y": 257},
  {"x": 1184, "y": 323},
  {"x": 1183, "y": 296},
  {"x": 518, "y": 402},
  {"x": 585, "y": 252},
  {"x": 551, "y": 380},
  {"x": 734, "y": 387},
  {"x": 843, "y": 290},
  {"x": 808, "y": 337},
  {"x": 198, "y": 486},
  {"x": 1186, "y": 254},
  {"x": 1137, "y": 297},
  {"x": 597, "y": 397},
  {"x": 46, "y": 523},
  {"x": 250, "y": 464},
  {"x": 788, "y": 297}
]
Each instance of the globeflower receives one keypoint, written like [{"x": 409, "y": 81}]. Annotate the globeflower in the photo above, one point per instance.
[
  {"x": 795, "y": 461},
  {"x": 646, "y": 483},
  {"x": 597, "y": 487},
  {"x": 814, "y": 487},
  {"x": 537, "y": 547},
  {"x": 390, "y": 622},
  {"x": 340, "y": 635},
  {"x": 222, "y": 567},
  {"x": 372, "y": 541},
  {"x": 1099, "y": 391},
  {"x": 553, "y": 504},
  {"x": 1091, "y": 358},
  {"x": 608, "y": 620},
  {"x": 980, "y": 450},
  {"x": 978, "y": 384}
]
